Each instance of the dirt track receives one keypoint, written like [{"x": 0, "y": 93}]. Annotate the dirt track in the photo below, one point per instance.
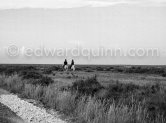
[
  {"x": 27, "y": 111},
  {"x": 6, "y": 114}
]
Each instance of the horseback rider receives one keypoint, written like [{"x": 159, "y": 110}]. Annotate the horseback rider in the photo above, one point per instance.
[
  {"x": 65, "y": 63},
  {"x": 72, "y": 65}
]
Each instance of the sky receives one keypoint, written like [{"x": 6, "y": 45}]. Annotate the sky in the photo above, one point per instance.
[
  {"x": 15, "y": 4},
  {"x": 88, "y": 23}
]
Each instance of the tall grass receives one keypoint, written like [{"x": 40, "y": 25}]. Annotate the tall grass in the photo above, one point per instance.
[{"x": 87, "y": 108}]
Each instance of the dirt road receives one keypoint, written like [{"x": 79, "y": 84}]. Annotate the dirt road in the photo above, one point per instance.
[
  {"x": 27, "y": 111},
  {"x": 6, "y": 114}
]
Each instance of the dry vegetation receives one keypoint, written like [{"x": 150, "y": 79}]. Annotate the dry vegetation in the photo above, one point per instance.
[{"x": 86, "y": 100}]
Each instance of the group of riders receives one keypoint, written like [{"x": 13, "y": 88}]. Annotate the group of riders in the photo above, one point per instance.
[{"x": 71, "y": 67}]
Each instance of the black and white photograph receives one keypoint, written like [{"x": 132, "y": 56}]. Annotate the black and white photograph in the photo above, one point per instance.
[{"x": 82, "y": 61}]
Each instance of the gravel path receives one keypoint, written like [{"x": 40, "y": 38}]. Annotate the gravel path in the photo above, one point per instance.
[
  {"x": 27, "y": 111},
  {"x": 8, "y": 116}
]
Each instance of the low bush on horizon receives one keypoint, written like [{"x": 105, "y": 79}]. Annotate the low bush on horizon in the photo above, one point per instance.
[
  {"x": 15, "y": 69},
  {"x": 50, "y": 70}
]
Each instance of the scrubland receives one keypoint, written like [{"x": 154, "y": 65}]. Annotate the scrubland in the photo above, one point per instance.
[{"x": 87, "y": 99}]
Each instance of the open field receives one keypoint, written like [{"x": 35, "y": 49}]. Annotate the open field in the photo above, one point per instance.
[
  {"x": 105, "y": 74},
  {"x": 93, "y": 94}
]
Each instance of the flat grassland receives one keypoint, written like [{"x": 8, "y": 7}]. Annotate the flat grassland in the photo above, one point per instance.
[{"x": 93, "y": 93}]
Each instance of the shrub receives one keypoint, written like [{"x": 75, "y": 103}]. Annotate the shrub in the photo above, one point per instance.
[
  {"x": 90, "y": 110},
  {"x": 2, "y": 69},
  {"x": 39, "y": 92},
  {"x": 156, "y": 104},
  {"x": 119, "y": 90},
  {"x": 99, "y": 69},
  {"x": 30, "y": 75},
  {"x": 89, "y": 70},
  {"x": 29, "y": 90},
  {"x": 50, "y": 95},
  {"x": 13, "y": 69},
  {"x": 10, "y": 71},
  {"x": 47, "y": 71},
  {"x": 86, "y": 87},
  {"x": 56, "y": 68},
  {"x": 66, "y": 102},
  {"x": 2, "y": 80},
  {"x": 44, "y": 81},
  {"x": 164, "y": 75},
  {"x": 14, "y": 83}
]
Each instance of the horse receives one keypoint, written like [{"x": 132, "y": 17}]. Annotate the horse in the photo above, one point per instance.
[
  {"x": 65, "y": 67},
  {"x": 72, "y": 68}
]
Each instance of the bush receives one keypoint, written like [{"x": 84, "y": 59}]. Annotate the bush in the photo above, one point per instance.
[
  {"x": 30, "y": 75},
  {"x": 89, "y": 70},
  {"x": 100, "y": 69},
  {"x": 13, "y": 69},
  {"x": 87, "y": 87},
  {"x": 47, "y": 71},
  {"x": 10, "y": 71},
  {"x": 14, "y": 83},
  {"x": 119, "y": 90},
  {"x": 50, "y": 95},
  {"x": 147, "y": 70},
  {"x": 44, "y": 81},
  {"x": 156, "y": 104},
  {"x": 2, "y": 69},
  {"x": 164, "y": 75},
  {"x": 66, "y": 102}
]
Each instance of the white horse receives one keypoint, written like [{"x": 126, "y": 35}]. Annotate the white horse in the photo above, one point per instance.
[
  {"x": 72, "y": 68},
  {"x": 65, "y": 67}
]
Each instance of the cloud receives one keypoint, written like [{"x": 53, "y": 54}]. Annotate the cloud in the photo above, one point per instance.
[{"x": 16, "y": 4}]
